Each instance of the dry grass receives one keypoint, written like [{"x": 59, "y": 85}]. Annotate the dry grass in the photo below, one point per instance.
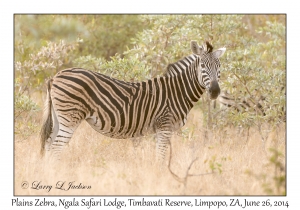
[{"x": 124, "y": 167}]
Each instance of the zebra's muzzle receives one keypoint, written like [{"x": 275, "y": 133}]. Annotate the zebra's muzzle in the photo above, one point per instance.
[{"x": 214, "y": 90}]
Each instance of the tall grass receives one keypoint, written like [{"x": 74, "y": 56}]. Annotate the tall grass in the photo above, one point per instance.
[{"x": 229, "y": 163}]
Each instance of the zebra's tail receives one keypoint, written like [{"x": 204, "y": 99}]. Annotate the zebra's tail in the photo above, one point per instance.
[{"x": 47, "y": 123}]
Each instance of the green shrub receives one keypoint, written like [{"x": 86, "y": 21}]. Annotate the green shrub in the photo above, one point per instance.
[{"x": 139, "y": 47}]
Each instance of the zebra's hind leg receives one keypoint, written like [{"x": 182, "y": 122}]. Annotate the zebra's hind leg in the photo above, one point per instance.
[
  {"x": 62, "y": 138},
  {"x": 49, "y": 132},
  {"x": 162, "y": 145},
  {"x": 49, "y": 141}
]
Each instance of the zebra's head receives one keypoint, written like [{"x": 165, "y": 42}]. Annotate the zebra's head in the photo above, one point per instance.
[{"x": 209, "y": 67}]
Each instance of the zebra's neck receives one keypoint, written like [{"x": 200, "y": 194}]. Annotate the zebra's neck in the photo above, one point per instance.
[
  {"x": 179, "y": 84},
  {"x": 189, "y": 83},
  {"x": 185, "y": 71},
  {"x": 181, "y": 65}
]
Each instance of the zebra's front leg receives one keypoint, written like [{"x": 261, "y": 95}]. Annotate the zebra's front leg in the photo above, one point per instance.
[{"x": 162, "y": 144}]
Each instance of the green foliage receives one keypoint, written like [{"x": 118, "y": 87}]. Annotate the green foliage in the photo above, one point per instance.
[
  {"x": 101, "y": 35},
  {"x": 108, "y": 34},
  {"x": 24, "y": 111},
  {"x": 215, "y": 164},
  {"x": 34, "y": 31},
  {"x": 168, "y": 40},
  {"x": 46, "y": 44},
  {"x": 188, "y": 133},
  {"x": 139, "y": 47},
  {"x": 256, "y": 70},
  {"x": 24, "y": 104},
  {"x": 89, "y": 62},
  {"x": 253, "y": 66},
  {"x": 131, "y": 70},
  {"x": 32, "y": 72},
  {"x": 273, "y": 184}
]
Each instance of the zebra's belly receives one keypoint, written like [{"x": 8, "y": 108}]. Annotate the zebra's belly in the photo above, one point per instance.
[
  {"x": 132, "y": 129},
  {"x": 119, "y": 133}
]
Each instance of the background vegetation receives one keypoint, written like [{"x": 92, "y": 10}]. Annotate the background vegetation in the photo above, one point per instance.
[{"x": 139, "y": 47}]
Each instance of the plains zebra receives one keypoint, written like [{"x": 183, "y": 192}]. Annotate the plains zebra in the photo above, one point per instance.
[
  {"x": 258, "y": 105},
  {"x": 120, "y": 109},
  {"x": 242, "y": 104}
]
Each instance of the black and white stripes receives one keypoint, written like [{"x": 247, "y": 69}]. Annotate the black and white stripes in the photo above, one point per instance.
[
  {"x": 121, "y": 109},
  {"x": 256, "y": 105},
  {"x": 242, "y": 104}
]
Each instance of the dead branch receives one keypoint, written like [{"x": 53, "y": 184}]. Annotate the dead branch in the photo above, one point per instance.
[{"x": 187, "y": 174}]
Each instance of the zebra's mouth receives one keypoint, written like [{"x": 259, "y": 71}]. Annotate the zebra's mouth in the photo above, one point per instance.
[
  {"x": 214, "y": 90},
  {"x": 213, "y": 97}
]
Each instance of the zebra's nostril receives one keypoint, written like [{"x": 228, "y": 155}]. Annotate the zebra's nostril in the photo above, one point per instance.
[{"x": 214, "y": 89}]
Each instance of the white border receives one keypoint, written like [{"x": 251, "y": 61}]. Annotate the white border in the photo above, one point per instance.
[{"x": 154, "y": 6}]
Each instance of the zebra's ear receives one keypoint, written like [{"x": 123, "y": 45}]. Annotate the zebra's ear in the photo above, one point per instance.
[
  {"x": 196, "y": 49},
  {"x": 219, "y": 52}
]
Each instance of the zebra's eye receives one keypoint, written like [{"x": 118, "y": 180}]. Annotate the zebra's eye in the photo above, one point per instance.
[{"x": 202, "y": 65}]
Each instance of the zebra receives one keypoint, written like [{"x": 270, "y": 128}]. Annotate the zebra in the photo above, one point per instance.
[
  {"x": 257, "y": 105},
  {"x": 242, "y": 104},
  {"x": 122, "y": 110}
]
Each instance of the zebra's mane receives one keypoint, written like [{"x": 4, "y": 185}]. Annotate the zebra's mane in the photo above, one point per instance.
[
  {"x": 168, "y": 72},
  {"x": 209, "y": 47},
  {"x": 170, "y": 68}
]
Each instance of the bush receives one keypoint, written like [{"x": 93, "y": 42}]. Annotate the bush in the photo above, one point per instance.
[{"x": 139, "y": 47}]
